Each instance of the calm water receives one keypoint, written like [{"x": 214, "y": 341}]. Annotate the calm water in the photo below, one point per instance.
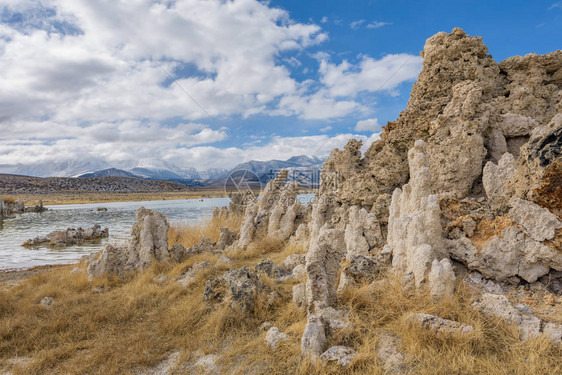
[{"x": 118, "y": 218}]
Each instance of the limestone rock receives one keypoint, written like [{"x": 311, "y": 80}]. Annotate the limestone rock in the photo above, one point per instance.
[
  {"x": 189, "y": 277},
  {"x": 299, "y": 295},
  {"x": 495, "y": 176},
  {"x": 314, "y": 338},
  {"x": 440, "y": 325},
  {"x": 299, "y": 272},
  {"x": 322, "y": 265},
  {"x": 70, "y": 237},
  {"x": 500, "y": 306},
  {"x": 441, "y": 278},
  {"x": 47, "y": 301},
  {"x": 149, "y": 243},
  {"x": 360, "y": 269},
  {"x": 508, "y": 255},
  {"x": 414, "y": 225},
  {"x": 392, "y": 359},
  {"x": 362, "y": 232},
  {"x": 537, "y": 222},
  {"x": 340, "y": 354},
  {"x": 178, "y": 252},
  {"x": 268, "y": 267},
  {"x": 554, "y": 332},
  {"x": 293, "y": 260},
  {"x": 239, "y": 287},
  {"x": 273, "y": 337}
]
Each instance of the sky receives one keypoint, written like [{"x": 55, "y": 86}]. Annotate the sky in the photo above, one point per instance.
[{"x": 209, "y": 83}]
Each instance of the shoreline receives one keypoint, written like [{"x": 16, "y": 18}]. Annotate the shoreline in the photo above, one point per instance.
[{"x": 10, "y": 276}]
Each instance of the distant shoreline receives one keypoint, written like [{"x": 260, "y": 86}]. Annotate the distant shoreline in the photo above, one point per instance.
[{"x": 55, "y": 199}]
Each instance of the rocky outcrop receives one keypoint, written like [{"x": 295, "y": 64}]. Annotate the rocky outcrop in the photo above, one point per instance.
[
  {"x": 69, "y": 237},
  {"x": 342, "y": 355},
  {"x": 273, "y": 337},
  {"x": 149, "y": 243},
  {"x": 277, "y": 213},
  {"x": 529, "y": 325},
  {"x": 239, "y": 288},
  {"x": 440, "y": 325},
  {"x": 414, "y": 228}
]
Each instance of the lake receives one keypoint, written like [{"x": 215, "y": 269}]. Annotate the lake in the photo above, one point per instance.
[{"x": 119, "y": 218}]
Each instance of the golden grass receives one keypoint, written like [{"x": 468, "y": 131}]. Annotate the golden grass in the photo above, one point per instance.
[
  {"x": 138, "y": 322},
  {"x": 9, "y": 199},
  {"x": 190, "y": 234}
]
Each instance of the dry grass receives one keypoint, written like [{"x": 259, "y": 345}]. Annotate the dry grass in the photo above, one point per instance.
[
  {"x": 136, "y": 323},
  {"x": 190, "y": 234},
  {"x": 9, "y": 199}
]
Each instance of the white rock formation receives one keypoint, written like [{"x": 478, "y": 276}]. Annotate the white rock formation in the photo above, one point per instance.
[
  {"x": 414, "y": 226},
  {"x": 274, "y": 336},
  {"x": 440, "y": 325},
  {"x": 494, "y": 176},
  {"x": 322, "y": 265},
  {"x": 149, "y": 243},
  {"x": 340, "y": 354},
  {"x": 511, "y": 254},
  {"x": 537, "y": 222}
]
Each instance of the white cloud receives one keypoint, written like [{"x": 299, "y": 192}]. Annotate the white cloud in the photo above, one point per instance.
[
  {"x": 324, "y": 19},
  {"x": 369, "y": 74},
  {"x": 377, "y": 24},
  {"x": 356, "y": 24},
  {"x": 90, "y": 79},
  {"x": 325, "y": 129},
  {"x": 555, "y": 5},
  {"x": 369, "y": 125}
]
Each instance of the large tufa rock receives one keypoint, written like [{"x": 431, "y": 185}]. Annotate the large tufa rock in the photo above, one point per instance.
[
  {"x": 495, "y": 176},
  {"x": 414, "y": 225},
  {"x": 276, "y": 212},
  {"x": 322, "y": 265},
  {"x": 511, "y": 253},
  {"x": 70, "y": 237},
  {"x": 360, "y": 269},
  {"x": 149, "y": 243},
  {"x": 239, "y": 287},
  {"x": 537, "y": 222}
]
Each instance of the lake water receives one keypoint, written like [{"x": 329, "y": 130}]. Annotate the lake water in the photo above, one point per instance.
[{"x": 119, "y": 218}]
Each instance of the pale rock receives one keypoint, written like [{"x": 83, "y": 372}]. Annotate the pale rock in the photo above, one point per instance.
[
  {"x": 512, "y": 254},
  {"x": 274, "y": 336},
  {"x": 554, "y": 332},
  {"x": 224, "y": 261},
  {"x": 299, "y": 295},
  {"x": 389, "y": 354},
  {"x": 189, "y": 277},
  {"x": 149, "y": 243},
  {"x": 299, "y": 272},
  {"x": 314, "y": 338},
  {"x": 362, "y": 232},
  {"x": 265, "y": 326},
  {"x": 322, "y": 265},
  {"x": 495, "y": 177},
  {"x": 47, "y": 301},
  {"x": 514, "y": 125},
  {"x": 268, "y": 267},
  {"x": 537, "y": 222},
  {"x": 178, "y": 252},
  {"x": 340, "y": 354},
  {"x": 239, "y": 287},
  {"x": 500, "y": 306},
  {"x": 226, "y": 238},
  {"x": 414, "y": 225},
  {"x": 360, "y": 269},
  {"x": 441, "y": 278},
  {"x": 293, "y": 260},
  {"x": 440, "y": 325}
]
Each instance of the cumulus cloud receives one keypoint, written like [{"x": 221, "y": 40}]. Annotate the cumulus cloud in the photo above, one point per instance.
[
  {"x": 369, "y": 125},
  {"x": 111, "y": 77}
]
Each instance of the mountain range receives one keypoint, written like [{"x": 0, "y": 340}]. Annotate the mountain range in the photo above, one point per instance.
[{"x": 302, "y": 168}]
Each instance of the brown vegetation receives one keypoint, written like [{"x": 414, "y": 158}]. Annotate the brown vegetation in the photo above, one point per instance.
[{"x": 114, "y": 326}]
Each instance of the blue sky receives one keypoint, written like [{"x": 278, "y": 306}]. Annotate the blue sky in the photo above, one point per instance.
[{"x": 85, "y": 80}]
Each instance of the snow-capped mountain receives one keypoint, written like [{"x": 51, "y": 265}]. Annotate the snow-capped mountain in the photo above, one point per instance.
[{"x": 303, "y": 169}]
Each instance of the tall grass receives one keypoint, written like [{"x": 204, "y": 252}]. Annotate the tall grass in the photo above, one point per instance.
[{"x": 136, "y": 323}]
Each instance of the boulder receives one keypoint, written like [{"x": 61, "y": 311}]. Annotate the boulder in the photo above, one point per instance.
[
  {"x": 389, "y": 354},
  {"x": 239, "y": 287},
  {"x": 189, "y": 277},
  {"x": 273, "y": 337},
  {"x": 440, "y": 325},
  {"x": 340, "y": 354},
  {"x": 537, "y": 222}
]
